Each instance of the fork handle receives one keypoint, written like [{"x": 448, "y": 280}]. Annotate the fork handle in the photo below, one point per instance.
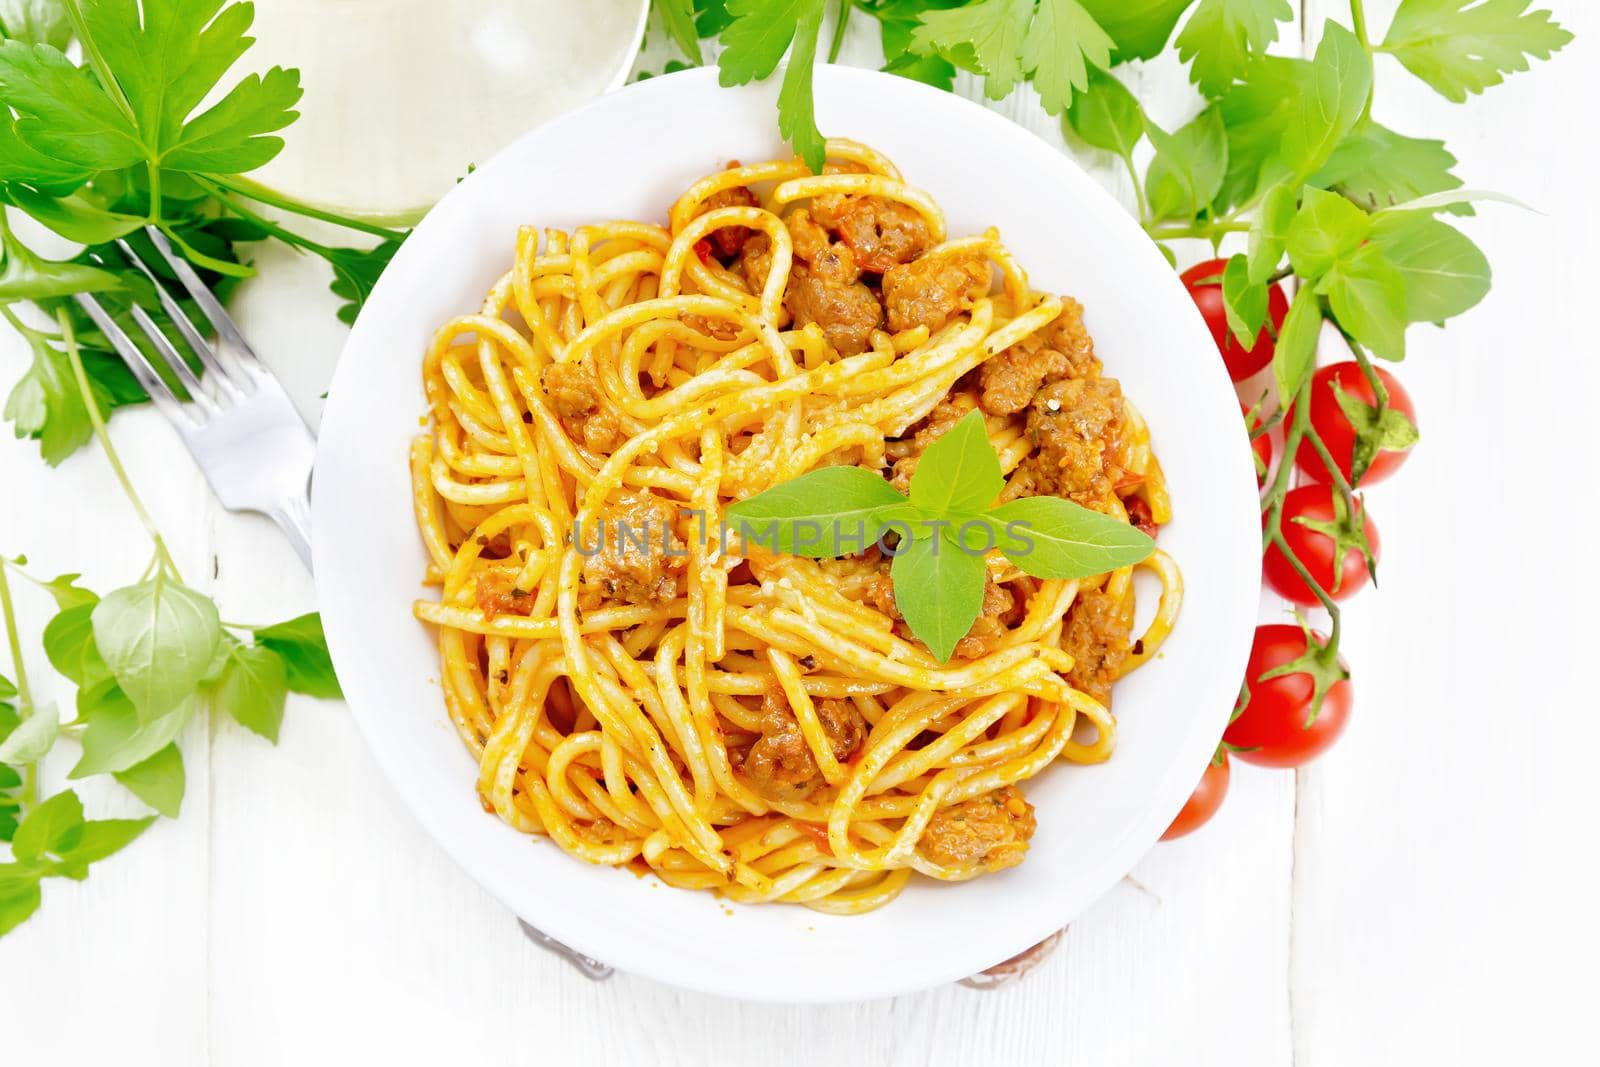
[{"x": 293, "y": 517}]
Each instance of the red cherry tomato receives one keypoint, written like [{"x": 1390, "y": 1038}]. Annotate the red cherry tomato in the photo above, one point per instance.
[
  {"x": 1204, "y": 282},
  {"x": 1204, "y": 801},
  {"x": 1262, "y": 446},
  {"x": 1315, "y": 549},
  {"x": 1335, "y": 430},
  {"x": 1273, "y": 729}
]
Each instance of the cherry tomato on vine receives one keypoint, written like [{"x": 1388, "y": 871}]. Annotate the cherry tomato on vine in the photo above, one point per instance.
[
  {"x": 1204, "y": 282},
  {"x": 1261, "y": 446},
  {"x": 1276, "y": 727},
  {"x": 1328, "y": 539},
  {"x": 1333, "y": 426},
  {"x": 1204, "y": 801}
]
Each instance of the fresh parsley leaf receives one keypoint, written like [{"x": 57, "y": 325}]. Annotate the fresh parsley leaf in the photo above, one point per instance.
[
  {"x": 356, "y": 272},
  {"x": 253, "y": 688},
  {"x": 755, "y": 41},
  {"x": 157, "y": 637},
  {"x": 46, "y": 405},
  {"x": 811, "y": 515},
  {"x": 1222, "y": 36},
  {"x": 1465, "y": 46},
  {"x": 1327, "y": 228},
  {"x": 63, "y": 113},
  {"x": 1256, "y": 112},
  {"x": 1377, "y": 167},
  {"x": 77, "y": 217},
  {"x": 1138, "y": 29},
  {"x": 959, "y": 473},
  {"x": 1443, "y": 273},
  {"x": 897, "y": 21},
  {"x": 158, "y": 781},
  {"x": 1052, "y": 43},
  {"x": 1367, "y": 296},
  {"x": 938, "y": 589},
  {"x": 1296, "y": 351},
  {"x": 1106, "y": 115},
  {"x": 27, "y": 276},
  {"x": 1049, "y": 537},
  {"x": 678, "y": 17},
  {"x": 36, "y": 22},
  {"x": 304, "y": 649},
  {"x": 166, "y": 64},
  {"x": 1189, "y": 166}
]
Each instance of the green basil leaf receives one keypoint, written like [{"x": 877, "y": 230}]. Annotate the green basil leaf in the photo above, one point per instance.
[
  {"x": 158, "y": 781},
  {"x": 1106, "y": 115},
  {"x": 1049, "y": 537},
  {"x": 818, "y": 514},
  {"x": 1368, "y": 297},
  {"x": 938, "y": 589},
  {"x": 1327, "y": 228},
  {"x": 253, "y": 688},
  {"x": 7, "y": 688},
  {"x": 1189, "y": 165},
  {"x": 19, "y": 897},
  {"x": 114, "y": 739},
  {"x": 51, "y": 827},
  {"x": 32, "y": 737},
  {"x": 1296, "y": 352},
  {"x": 1256, "y": 112},
  {"x": 304, "y": 649},
  {"x": 1244, "y": 303},
  {"x": 66, "y": 591},
  {"x": 959, "y": 472},
  {"x": 69, "y": 645},
  {"x": 1269, "y": 232},
  {"x": 97, "y": 840},
  {"x": 157, "y": 637},
  {"x": 1340, "y": 82},
  {"x": 1443, "y": 272},
  {"x": 1463, "y": 46}
]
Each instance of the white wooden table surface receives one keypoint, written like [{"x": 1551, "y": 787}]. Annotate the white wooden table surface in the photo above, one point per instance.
[{"x": 1421, "y": 895}]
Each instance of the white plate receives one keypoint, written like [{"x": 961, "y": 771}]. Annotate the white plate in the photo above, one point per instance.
[{"x": 628, "y": 155}]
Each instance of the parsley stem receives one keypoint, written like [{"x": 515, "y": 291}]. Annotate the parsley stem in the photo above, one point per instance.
[
  {"x": 1138, "y": 191},
  {"x": 155, "y": 192},
  {"x": 288, "y": 237},
  {"x": 231, "y": 186},
  {"x": 845, "y": 7},
  {"x": 93, "y": 408},
  {"x": 30, "y": 782},
  {"x": 102, "y": 69}
]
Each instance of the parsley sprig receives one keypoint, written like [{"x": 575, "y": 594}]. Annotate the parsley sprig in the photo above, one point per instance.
[
  {"x": 98, "y": 150},
  {"x": 941, "y": 530}
]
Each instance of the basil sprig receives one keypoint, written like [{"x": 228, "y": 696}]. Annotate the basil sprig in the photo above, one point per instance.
[{"x": 940, "y": 530}]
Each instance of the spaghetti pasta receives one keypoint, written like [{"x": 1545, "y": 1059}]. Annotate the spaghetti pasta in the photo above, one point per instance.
[{"x": 719, "y": 715}]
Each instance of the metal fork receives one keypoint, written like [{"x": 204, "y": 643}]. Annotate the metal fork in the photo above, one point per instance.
[{"x": 252, "y": 445}]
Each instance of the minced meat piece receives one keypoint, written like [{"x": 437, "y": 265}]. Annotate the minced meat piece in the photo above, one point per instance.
[
  {"x": 830, "y": 294},
  {"x": 633, "y": 553},
  {"x": 1063, "y": 349},
  {"x": 929, "y": 290},
  {"x": 882, "y": 233},
  {"x": 992, "y": 830},
  {"x": 576, "y": 396},
  {"x": 756, "y": 261},
  {"x": 1074, "y": 426},
  {"x": 1068, "y": 335},
  {"x": 1098, "y": 637},
  {"x": 780, "y": 764},
  {"x": 498, "y": 594},
  {"x": 728, "y": 241}
]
